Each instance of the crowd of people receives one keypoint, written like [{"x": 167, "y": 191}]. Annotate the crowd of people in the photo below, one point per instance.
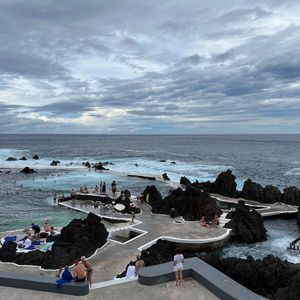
[{"x": 101, "y": 189}]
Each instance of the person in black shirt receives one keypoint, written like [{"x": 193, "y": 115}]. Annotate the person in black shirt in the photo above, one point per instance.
[{"x": 36, "y": 229}]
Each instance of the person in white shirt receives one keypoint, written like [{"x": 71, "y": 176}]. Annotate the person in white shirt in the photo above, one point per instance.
[
  {"x": 178, "y": 266},
  {"x": 131, "y": 270}
]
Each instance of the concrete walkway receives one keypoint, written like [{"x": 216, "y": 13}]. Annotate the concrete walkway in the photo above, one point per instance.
[
  {"x": 191, "y": 289},
  {"x": 265, "y": 209}
]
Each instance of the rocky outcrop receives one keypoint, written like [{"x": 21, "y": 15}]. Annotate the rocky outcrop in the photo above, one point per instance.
[
  {"x": 87, "y": 164},
  {"x": 267, "y": 277},
  {"x": 247, "y": 226},
  {"x": 165, "y": 176},
  {"x": 252, "y": 190},
  {"x": 23, "y": 158},
  {"x": 271, "y": 194},
  {"x": 185, "y": 181},
  {"x": 225, "y": 184},
  {"x": 11, "y": 159},
  {"x": 298, "y": 216},
  {"x": 291, "y": 292},
  {"x": 35, "y": 157},
  {"x": 99, "y": 166},
  {"x": 153, "y": 197},
  {"x": 80, "y": 237},
  {"x": 27, "y": 170},
  {"x": 191, "y": 204},
  {"x": 291, "y": 195},
  {"x": 55, "y": 162}
]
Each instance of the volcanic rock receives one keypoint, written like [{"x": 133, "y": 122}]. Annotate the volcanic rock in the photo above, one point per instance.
[
  {"x": 271, "y": 194},
  {"x": 55, "y": 162},
  {"x": 192, "y": 204},
  {"x": 80, "y": 237},
  {"x": 185, "y": 181},
  {"x": 165, "y": 176},
  {"x": 298, "y": 216},
  {"x": 23, "y": 158},
  {"x": 35, "y": 157},
  {"x": 263, "y": 277},
  {"x": 225, "y": 184},
  {"x": 27, "y": 170},
  {"x": 291, "y": 292},
  {"x": 100, "y": 166},
  {"x": 291, "y": 195},
  {"x": 11, "y": 159},
  {"x": 252, "y": 191},
  {"x": 247, "y": 226},
  {"x": 87, "y": 164},
  {"x": 155, "y": 200}
]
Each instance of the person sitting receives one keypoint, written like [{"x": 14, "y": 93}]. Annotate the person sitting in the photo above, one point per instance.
[
  {"x": 88, "y": 268},
  {"x": 72, "y": 193},
  {"x": 131, "y": 270},
  {"x": 26, "y": 243},
  {"x": 81, "y": 189},
  {"x": 59, "y": 272},
  {"x": 203, "y": 223},
  {"x": 79, "y": 271},
  {"x": 215, "y": 221},
  {"x": 85, "y": 189},
  {"x": 96, "y": 189},
  {"x": 139, "y": 264},
  {"x": 65, "y": 277},
  {"x": 47, "y": 226}
]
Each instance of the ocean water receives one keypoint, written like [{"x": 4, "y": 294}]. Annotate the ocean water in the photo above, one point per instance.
[{"x": 267, "y": 159}]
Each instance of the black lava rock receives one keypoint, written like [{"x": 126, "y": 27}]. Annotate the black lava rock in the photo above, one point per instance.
[
  {"x": 23, "y": 158},
  {"x": 27, "y": 170},
  {"x": 165, "y": 176},
  {"x": 185, "y": 181},
  {"x": 35, "y": 157},
  {"x": 247, "y": 226},
  {"x": 55, "y": 162},
  {"x": 80, "y": 237},
  {"x": 11, "y": 159}
]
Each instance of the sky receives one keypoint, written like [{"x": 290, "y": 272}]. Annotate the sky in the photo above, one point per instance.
[{"x": 149, "y": 67}]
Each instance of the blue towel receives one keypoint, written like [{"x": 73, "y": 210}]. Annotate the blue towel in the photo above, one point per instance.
[
  {"x": 66, "y": 277},
  {"x": 12, "y": 238}
]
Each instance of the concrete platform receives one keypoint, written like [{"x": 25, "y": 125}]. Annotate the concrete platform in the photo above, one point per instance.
[{"x": 191, "y": 289}]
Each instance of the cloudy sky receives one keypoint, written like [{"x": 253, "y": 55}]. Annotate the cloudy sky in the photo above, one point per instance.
[{"x": 132, "y": 66}]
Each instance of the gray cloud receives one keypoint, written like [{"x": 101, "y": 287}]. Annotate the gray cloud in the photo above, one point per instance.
[{"x": 156, "y": 66}]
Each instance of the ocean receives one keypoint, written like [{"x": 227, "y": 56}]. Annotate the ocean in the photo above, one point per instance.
[{"x": 266, "y": 159}]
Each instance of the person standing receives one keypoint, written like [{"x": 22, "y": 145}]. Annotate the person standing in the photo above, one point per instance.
[
  {"x": 178, "y": 266},
  {"x": 36, "y": 229},
  {"x": 114, "y": 188},
  {"x": 104, "y": 188},
  {"x": 88, "y": 269},
  {"x": 101, "y": 187},
  {"x": 132, "y": 217}
]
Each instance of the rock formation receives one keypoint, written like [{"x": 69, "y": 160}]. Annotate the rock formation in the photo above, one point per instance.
[
  {"x": 192, "y": 203},
  {"x": 55, "y": 162},
  {"x": 291, "y": 195},
  {"x": 185, "y": 181},
  {"x": 11, "y": 159},
  {"x": 247, "y": 226},
  {"x": 27, "y": 170},
  {"x": 225, "y": 184},
  {"x": 80, "y": 237},
  {"x": 23, "y": 158},
  {"x": 269, "y": 277},
  {"x": 99, "y": 166},
  {"x": 35, "y": 157},
  {"x": 271, "y": 194},
  {"x": 165, "y": 176},
  {"x": 252, "y": 190}
]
